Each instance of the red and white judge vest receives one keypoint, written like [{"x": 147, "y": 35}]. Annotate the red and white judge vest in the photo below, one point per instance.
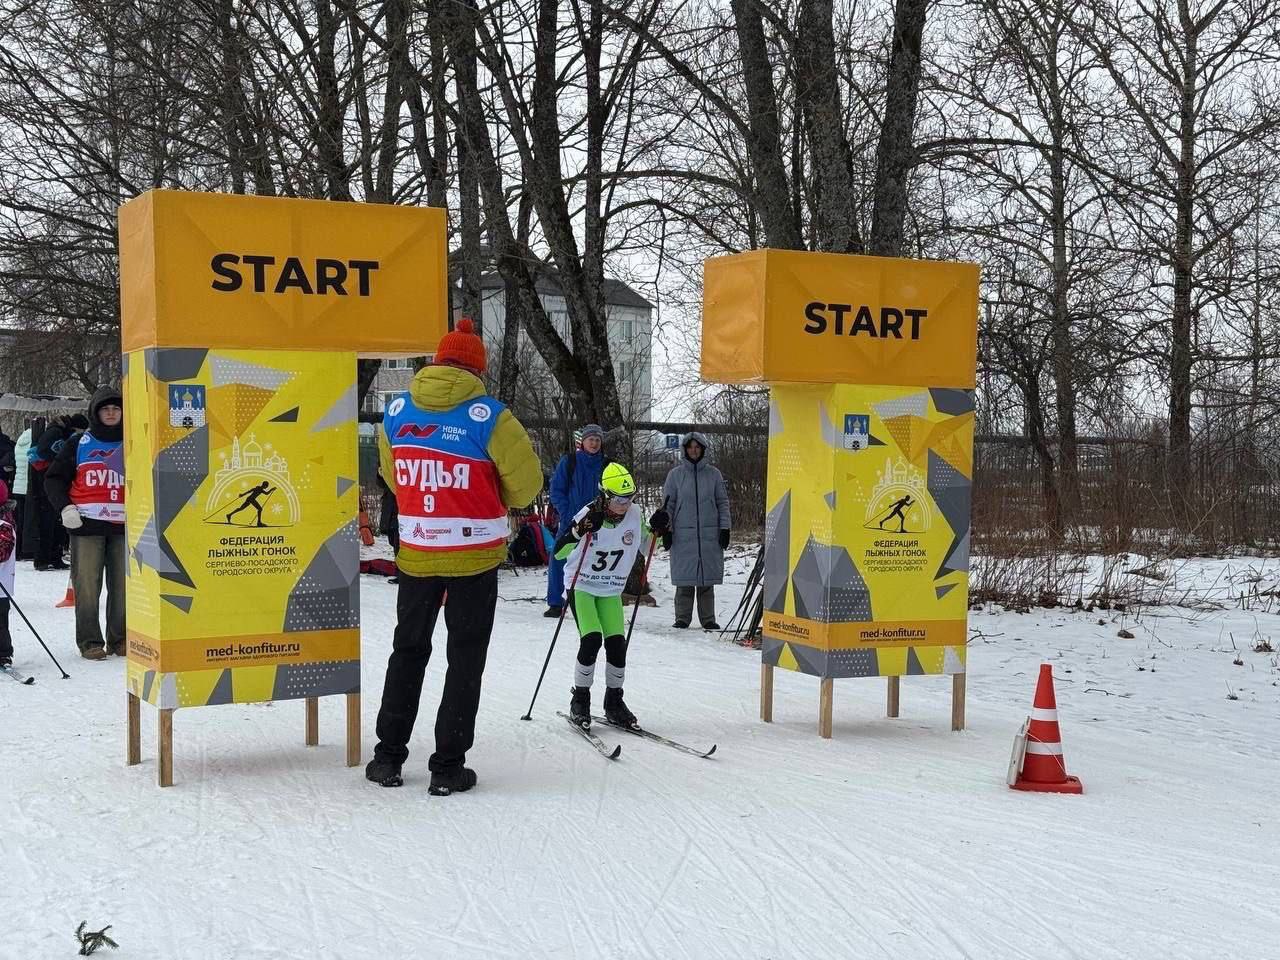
[
  {"x": 98, "y": 489},
  {"x": 447, "y": 488}
]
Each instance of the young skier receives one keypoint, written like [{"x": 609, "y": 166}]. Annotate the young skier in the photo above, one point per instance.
[{"x": 610, "y": 533}]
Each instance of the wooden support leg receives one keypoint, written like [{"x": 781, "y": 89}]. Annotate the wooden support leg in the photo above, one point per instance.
[
  {"x": 824, "y": 709},
  {"x": 766, "y": 692},
  {"x": 957, "y": 701},
  {"x": 353, "y": 729},
  {"x": 313, "y": 721},
  {"x": 895, "y": 691},
  {"x": 166, "y": 747},
  {"x": 133, "y": 731}
]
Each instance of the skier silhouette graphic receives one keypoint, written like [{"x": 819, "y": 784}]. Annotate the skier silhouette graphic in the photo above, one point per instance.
[
  {"x": 253, "y": 497},
  {"x": 899, "y": 511}
]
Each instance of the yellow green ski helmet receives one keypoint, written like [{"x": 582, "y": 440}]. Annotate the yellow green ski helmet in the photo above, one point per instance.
[{"x": 616, "y": 481}]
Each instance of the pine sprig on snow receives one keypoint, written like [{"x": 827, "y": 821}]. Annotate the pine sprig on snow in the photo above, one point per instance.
[{"x": 91, "y": 941}]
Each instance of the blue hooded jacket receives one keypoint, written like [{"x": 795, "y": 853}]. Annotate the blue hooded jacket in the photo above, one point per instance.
[{"x": 571, "y": 494}]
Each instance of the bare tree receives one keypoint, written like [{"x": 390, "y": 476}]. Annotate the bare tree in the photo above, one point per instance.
[{"x": 1196, "y": 80}]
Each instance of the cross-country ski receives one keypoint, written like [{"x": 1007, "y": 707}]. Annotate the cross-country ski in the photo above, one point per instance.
[
  {"x": 17, "y": 675},
  {"x": 657, "y": 738},
  {"x": 609, "y": 753}
]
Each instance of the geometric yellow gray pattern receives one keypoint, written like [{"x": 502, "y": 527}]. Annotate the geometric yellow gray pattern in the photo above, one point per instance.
[
  {"x": 867, "y": 533},
  {"x": 242, "y": 499}
]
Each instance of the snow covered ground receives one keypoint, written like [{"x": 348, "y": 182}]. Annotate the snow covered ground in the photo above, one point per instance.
[{"x": 897, "y": 838}]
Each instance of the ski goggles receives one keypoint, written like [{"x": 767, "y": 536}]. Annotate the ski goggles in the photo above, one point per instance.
[{"x": 620, "y": 503}]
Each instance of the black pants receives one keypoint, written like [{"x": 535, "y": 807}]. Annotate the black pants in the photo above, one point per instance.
[
  {"x": 48, "y": 530},
  {"x": 6, "y": 641},
  {"x": 19, "y": 525},
  {"x": 468, "y": 616}
]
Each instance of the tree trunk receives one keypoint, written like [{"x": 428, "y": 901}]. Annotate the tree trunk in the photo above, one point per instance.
[
  {"x": 1049, "y": 492},
  {"x": 1180, "y": 348},
  {"x": 1063, "y": 347},
  {"x": 471, "y": 267},
  {"x": 232, "y": 98},
  {"x": 397, "y": 19},
  {"x": 329, "y": 109},
  {"x": 438, "y": 183},
  {"x": 772, "y": 190},
  {"x": 545, "y": 181},
  {"x": 818, "y": 91},
  {"x": 510, "y": 258},
  {"x": 895, "y": 153}
]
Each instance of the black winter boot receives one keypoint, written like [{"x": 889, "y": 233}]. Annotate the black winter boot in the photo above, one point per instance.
[
  {"x": 580, "y": 707},
  {"x": 456, "y": 780},
  {"x": 384, "y": 772},
  {"x": 616, "y": 712}
]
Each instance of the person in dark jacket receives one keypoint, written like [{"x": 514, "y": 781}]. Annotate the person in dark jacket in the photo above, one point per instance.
[
  {"x": 575, "y": 484},
  {"x": 51, "y": 539},
  {"x": 8, "y": 469},
  {"x": 698, "y": 503},
  {"x": 85, "y": 484}
]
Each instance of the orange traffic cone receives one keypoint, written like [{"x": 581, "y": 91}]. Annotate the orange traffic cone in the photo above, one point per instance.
[
  {"x": 1043, "y": 767},
  {"x": 69, "y": 600}
]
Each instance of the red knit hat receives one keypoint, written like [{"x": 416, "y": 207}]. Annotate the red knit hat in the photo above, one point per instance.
[{"x": 460, "y": 347}]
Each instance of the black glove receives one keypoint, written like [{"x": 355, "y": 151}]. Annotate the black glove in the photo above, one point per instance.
[
  {"x": 660, "y": 522},
  {"x": 593, "y": 521},
  {"x": 724, "y": 539},
  {"x": 667, "y": 538}
]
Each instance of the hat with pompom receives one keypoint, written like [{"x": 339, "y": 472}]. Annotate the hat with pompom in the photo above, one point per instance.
[{"x": 461, "y": 347}]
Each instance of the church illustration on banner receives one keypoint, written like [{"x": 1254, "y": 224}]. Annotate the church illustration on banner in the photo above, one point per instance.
[
  {"x": 244, "y": 486},
  {"x": 900, "y": 499}
]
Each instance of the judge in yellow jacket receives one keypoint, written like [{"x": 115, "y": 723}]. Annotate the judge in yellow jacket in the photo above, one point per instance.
[{"x": 456, "y": 460}]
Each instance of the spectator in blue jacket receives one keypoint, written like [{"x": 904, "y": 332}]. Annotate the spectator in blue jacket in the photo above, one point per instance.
[{"x": 575, "y": 484}]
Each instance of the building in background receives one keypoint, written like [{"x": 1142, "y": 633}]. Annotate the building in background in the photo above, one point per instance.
[
  {"x": 630, "y": 319},
  {"x": 43, "y": 374}
]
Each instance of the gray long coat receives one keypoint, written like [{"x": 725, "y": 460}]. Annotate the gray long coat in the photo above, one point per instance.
[{"x": 699, "y": 506}]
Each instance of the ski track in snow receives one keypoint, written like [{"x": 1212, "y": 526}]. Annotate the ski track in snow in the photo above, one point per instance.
[{"x": 896, "y": 839}]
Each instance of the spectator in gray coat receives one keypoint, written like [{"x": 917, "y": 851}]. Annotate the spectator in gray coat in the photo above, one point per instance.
[{"x": 699, "y": 507}]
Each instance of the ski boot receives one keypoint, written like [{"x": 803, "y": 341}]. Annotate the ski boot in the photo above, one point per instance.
[
  {"x": 454, "y": 780},
  {"x": 580, "y": 707},
  {"x": 616, "y": 712},
  {"x": 384, "y": 772}
]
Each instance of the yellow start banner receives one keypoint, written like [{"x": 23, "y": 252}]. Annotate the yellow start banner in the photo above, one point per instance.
[
  {"x": 793, "y": 316},
  {"x": 238, "y": 272},
  {"x": 867, "y": 533},
  {"x": 241, "y": 319},
  {"x": 242, "y": 499}
]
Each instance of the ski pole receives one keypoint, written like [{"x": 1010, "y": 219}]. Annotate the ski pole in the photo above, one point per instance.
[
  {"x": 635, "y": 607},
  {"x": 586, "y": 545},
  {"x": 748, "y": 594},
  {"x": 9, "y": 597}
]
